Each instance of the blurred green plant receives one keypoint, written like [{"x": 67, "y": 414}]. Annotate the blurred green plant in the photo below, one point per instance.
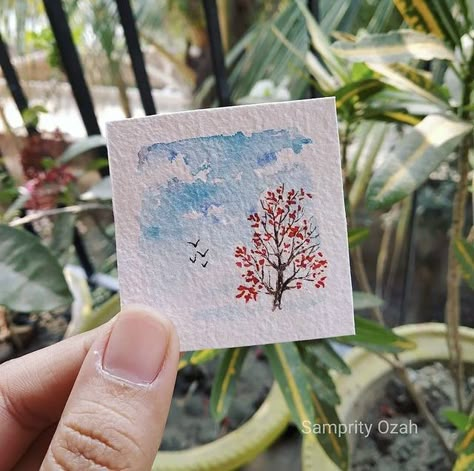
[
  {"x": 382, "y": 86},
  {"x": 24, "y": 260}
]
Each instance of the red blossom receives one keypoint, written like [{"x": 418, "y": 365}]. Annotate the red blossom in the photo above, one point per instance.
[{"x": 285, "y": 251}]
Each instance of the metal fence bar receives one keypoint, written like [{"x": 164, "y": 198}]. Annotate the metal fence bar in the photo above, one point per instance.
[
  {"x": 217, "y": 52},
  {"x": 82, "y": 254},
  {"x": 136, "y": 55},
  {"x": 13, "y": 82},
  {"x": 313, "y": 6},
  {"x": 72, "y": 64}
]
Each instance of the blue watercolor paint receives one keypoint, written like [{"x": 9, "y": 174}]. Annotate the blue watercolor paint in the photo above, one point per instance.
[{"x": 225, "y": 175}]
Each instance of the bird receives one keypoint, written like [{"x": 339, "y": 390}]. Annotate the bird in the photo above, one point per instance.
[
  {"x": 203, "y": 254},
  {"x": 194, "y": 244},
  {"x": 204, "y": 265},
  {"x": 193, "y": 260}
]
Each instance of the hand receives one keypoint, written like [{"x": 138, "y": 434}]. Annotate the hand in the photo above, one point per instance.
[{"x": 95, "y": 401}]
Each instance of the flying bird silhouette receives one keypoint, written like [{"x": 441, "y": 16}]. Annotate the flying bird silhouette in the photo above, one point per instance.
[
  {"x": 193, "y": 260},
  {"x": 203, "y": 254},
  {"x": 204, "y": 265},
  {"x": 194, "y": 244}
]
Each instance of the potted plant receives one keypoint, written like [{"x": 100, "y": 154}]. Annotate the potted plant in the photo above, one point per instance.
[{"x": 382, "y": 77}]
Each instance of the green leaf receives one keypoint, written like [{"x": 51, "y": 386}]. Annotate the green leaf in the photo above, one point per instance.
[
  {"x": 395, "y": 46},
  {"x": 81, "y": 147},
  {"x": 31, "y": 115},
  {"x": 364, "y": 300},
  {"x": 98, "y": 164},
  {"x": 100, "y": 191},
  {"x": 322, "y": 45},
  {"x": 421, "y": 151},
  {"x": 30, "y": 277},
  {"x": 323, "y": 352},
  {"x": 324, "y": 80},
  {"x": 334, "y": 444},
  {"x": 17, "y": 205},
  {"x": 289, "y": 371},
  {"x": 225, "y": 381},
  {"x": 409, "y": 79},
  {"x": 391, "y": 115},
  {"x": 464, "y": 447},
  {"x": 374, "y": 337},
  {"x": 465, "y": 462},
  {"x": 357, "y": 235},
  {"x": 465, "y": 255},
  {"x": 375, "y": 138},
  {"x": 321, "y": 382},
  {"x": 360, "y": 90},
  {"x": 264, "y": 57},
  {"x": 62, "y": 235},
  {"x": 100, "y": 315},
  {"x": 429, "y": 17},
  {"x": 48, "y": 163},
  {"x": 458, "y": 419},
  {"x": 198, "y": 357}
]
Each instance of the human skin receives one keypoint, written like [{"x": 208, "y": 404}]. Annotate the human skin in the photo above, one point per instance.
[{"x": 99, "y": 400}]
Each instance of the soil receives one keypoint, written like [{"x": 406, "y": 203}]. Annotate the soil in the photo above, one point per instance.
[
  {"x": 416, "y": 449},
  {"x": 190, "y": 423}
]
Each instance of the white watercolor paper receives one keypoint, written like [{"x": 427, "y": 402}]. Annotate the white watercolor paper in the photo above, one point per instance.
[{"x": 231, "y": 222}]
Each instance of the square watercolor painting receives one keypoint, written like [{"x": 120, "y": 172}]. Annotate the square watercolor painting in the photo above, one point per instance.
[{"x": 231, "y": 222}]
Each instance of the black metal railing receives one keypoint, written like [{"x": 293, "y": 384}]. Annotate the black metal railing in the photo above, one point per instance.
[
  {"x": 13, "y": 83},
  {"x": 217, "y": 53},
  {"x": 71, "y": 64},
  {"x": 136, "y": 55}
]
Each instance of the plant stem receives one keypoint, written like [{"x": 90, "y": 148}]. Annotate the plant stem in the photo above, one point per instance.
[
  {"x": 78, "y": 208},
  {"x": 453, "y": 280},
  {"x": 363, "y": 280},
  {"x": 384, "y": 251},
  {"x": 345, "y": 146},
  {"x": 453, "y": 303}
]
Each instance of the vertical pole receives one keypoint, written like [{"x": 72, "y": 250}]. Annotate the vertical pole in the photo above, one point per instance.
[
  {"x": 72, "y": 64},
  {"x": 75, "y": 75},
  {"x": 13, "y": 82},
  {"x": 313, "y": 6},
  {"x": 82, "y": 254},
  {"x": 217, "y": 52},
  {"x": 136, "y": 55}
]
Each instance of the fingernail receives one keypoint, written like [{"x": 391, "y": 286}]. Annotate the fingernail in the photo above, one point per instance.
[{"x": 137, "y": 347}]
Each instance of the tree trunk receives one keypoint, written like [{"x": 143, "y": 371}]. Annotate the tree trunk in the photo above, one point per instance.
[{"x": 278, "y": 292}]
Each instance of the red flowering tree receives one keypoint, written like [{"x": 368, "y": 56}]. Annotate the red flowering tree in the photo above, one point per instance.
[{"x": 285, "y": 248}]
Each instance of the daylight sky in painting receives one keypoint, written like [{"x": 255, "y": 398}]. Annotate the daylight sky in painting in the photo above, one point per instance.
[{"x": 205, "y": 189}]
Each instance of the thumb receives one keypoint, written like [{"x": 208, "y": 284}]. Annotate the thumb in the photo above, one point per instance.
[{"x": 117, "y": 410}]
